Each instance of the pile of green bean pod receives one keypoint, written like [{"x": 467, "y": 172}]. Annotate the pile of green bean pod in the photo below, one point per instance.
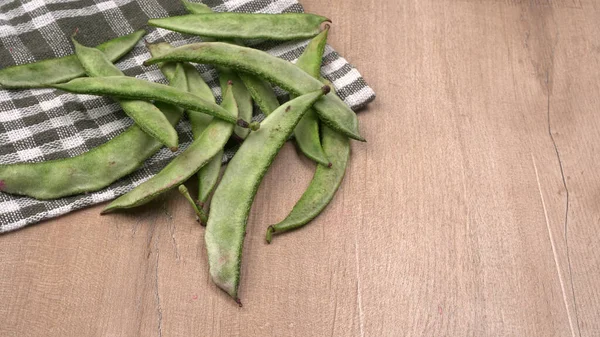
[{"x": 321, "y": 123}]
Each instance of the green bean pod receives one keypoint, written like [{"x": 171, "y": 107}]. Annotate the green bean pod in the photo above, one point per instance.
[
  {"x": 133, "y": 88},
  {"x": 196, "y": 8},
  {"x": 233, "y": 197},
  {"x": 242, "y": 97},
  {"x": 307, "y": 130},
  {"x": 261, "y": 92},
  {"x": 209, "y": 173},
  {"x": 180, "y": 169},
  {"x": 241, "y": 93},
  {"x": 331, "y": 109},
  {"x": 325, "y": 181},
  {"x": 323, "y": 185},
  {"x": 88, "y": 172},
  {"x": 148, "y": 117},
  {"x": 286, "y": 26},
  {"x": 43, "y": 73}
]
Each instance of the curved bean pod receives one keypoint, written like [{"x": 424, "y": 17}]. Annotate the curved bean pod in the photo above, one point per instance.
[
  {"x": 168, "y": 68},
  {"x": 148, "y": 117},
  {"x": 261, "y": 92},
  {"x": 133, "y": 88},
  {"x": 88, "y": 172},
  {"x": 233, "y": 197},
  {"x": 57, "y": 70},
  {"x": 209, "y": 173},
  {"x": 286, "y": 26},
  {"x": 323, "y": 185},
  {"x": 242, "y": 97},
  {"x": 241, "y": 93},
  {"x": 331, "y": 109},
  {"x": 194, "y": 84},
  {"x": 183, "y": 166},
  {"x": 307, "y": 130},
  {"x": 256, "y": 88}
]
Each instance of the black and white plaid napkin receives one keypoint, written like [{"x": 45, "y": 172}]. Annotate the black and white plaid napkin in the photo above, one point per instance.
[{"x": 44, "y": 124}]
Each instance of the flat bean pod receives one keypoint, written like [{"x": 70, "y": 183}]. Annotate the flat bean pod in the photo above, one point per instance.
[
  {"x": 88, "y": 172},
  {"x": 241, "y": 93},
  {"x": 168, "y": 68},
  {"x": 194, "y": 84},
  {"x": 242, "y": 97},
  {"x": 233, "y": 197},
  {"x": 286, "y": 26},
  {"x": 326, "y": 179},
  {"x": 307, "y": 130},
  {"x": 261, "y": 92},
  {"x": 148, "y": 117},
  {"x": 133, "y": 88},
  {"x": 180, "y": 169},
  {"x": 331, "y": 109},
  {"x": 62, "y": 69},
  {"x": 323, "y": 185},
  {"x": 208, "y": 176},
  {"x": 209, "y": 173}
]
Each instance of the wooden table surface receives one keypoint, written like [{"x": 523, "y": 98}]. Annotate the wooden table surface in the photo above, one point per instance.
[{"x": 472, "y": 210}]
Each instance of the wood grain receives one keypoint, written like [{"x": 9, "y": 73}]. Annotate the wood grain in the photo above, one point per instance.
[{"x": 472, "y": 210}]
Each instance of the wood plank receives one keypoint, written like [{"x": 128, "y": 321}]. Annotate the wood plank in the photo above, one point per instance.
[{"x": 471, "y": 210}]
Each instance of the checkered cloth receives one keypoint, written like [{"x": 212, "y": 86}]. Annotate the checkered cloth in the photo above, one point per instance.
[{"x": 44, "y": 124}]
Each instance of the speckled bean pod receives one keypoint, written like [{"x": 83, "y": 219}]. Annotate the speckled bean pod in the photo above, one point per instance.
[
  {"x": 43, "y": 73},
  {"x": 233, "y": 197},
  {"x": 185, "y": 165},
  {"x": 331, "y": 109},
  {"x": 133, "y": 88},
  {"x": 286, "y": 26}
]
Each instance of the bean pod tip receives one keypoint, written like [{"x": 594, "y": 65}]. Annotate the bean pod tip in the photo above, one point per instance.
[
  {"x": 254, "y": 126},
  {"x": 106, "y": 210}
]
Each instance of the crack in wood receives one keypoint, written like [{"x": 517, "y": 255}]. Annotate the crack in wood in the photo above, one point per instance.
[
  {"x": 156, "y": 292},
  {"x": 566, "y": 221}
]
